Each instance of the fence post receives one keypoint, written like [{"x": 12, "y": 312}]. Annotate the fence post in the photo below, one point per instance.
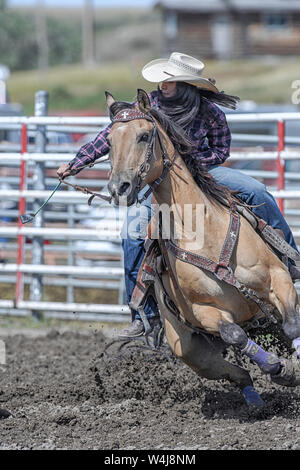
[
  {"x": 71, "y": 257},
  {"x": 40, "y": 109},
  {"x": 280, "y": 162},
  {"x": 22, "y": 207}
]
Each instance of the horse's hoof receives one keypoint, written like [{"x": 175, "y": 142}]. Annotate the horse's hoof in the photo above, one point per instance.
[
  {"x": 252, "y": 397},
  {"x": 287, "y": 375}
]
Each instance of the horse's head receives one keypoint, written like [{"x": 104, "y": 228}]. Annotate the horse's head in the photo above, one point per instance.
[{"x": 133, "y": 147}]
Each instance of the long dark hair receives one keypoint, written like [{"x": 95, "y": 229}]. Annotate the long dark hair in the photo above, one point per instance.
[
  {"x": 214, "y": 191},
  {"x": 185, "y": 105}
]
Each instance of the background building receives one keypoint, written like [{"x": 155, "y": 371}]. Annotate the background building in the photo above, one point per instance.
[{"x": 229, "y": 29}]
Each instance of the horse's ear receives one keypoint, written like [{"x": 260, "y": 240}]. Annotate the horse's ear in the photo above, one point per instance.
[
  {"x": 143, "y": 101},
  {"x": 109, "y": 99}
]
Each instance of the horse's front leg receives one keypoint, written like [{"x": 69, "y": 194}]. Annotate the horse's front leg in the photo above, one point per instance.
[
  {"x": 203, "y": 354},
  {"x": 212, "y": 320}
]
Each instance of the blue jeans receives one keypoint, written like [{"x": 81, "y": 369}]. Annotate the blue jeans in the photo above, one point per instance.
[
  {"x": 133, "y": 236},
  {"x": 253, "y": 192},
  {"x": 134, "y": 230}
]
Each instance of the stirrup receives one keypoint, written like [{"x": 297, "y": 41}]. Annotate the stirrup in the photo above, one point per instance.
[{"x": 145, "y": 321}]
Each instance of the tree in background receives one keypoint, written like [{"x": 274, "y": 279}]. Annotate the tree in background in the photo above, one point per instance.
[
  {"x": 88, "y": 44},
  {"x": 41, "y": 35},
  {"x": 65, "y": 45},
  {"x": 20, "y": 49}
]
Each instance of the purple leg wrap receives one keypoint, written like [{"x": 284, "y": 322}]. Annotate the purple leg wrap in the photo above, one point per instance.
[
  {"x": 296, "y": 344},
  {"x": 268, "y": 362}
]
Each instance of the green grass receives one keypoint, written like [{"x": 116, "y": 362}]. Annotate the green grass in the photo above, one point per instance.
[
  {"x": 58, "y": 294},
  {"x": 73, "y": 88},
  {"x": 30, "y": 322}
]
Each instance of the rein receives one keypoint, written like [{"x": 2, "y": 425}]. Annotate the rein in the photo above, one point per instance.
[{"x": 86, "y": 190}]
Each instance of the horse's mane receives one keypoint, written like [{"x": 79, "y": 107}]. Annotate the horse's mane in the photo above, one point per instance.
[{"x": 214, "y": 191}]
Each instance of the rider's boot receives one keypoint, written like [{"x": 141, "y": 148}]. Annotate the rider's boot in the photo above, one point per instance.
[{"x": 137, "y": 329}]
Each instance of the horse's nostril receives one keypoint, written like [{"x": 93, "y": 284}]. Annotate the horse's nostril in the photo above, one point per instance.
[{"x": 123, "y": 188}]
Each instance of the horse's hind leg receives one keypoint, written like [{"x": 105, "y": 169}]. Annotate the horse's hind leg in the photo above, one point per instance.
[
  {"x": 281, "y": 371},
  {"x": 233, "y": 334},
  {"x": 286, "y": 301}
]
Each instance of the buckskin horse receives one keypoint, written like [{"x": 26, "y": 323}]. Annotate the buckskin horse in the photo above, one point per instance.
[{"x": 208, "y": 294}]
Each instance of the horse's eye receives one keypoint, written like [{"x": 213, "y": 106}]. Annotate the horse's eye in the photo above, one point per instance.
[{"x": 144, "y": 137}]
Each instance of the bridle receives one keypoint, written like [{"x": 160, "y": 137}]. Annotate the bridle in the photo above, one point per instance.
[{"x": 131, "y": 114}]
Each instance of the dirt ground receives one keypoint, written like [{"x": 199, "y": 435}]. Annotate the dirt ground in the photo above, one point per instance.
[{"x": 60, "y": 390}]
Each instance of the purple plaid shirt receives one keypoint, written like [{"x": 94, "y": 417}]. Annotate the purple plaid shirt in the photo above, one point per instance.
[{"x": 209, "y": 133}]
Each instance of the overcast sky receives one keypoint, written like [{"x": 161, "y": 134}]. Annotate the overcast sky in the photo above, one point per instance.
[{"x": 73, "y": 3}]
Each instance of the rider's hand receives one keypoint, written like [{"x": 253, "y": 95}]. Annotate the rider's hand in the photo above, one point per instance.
[{"x": 64, "y": 171}]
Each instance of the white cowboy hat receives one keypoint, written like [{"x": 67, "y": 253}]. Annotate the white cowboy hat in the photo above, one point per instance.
[{"x": 178, "y": 68}]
